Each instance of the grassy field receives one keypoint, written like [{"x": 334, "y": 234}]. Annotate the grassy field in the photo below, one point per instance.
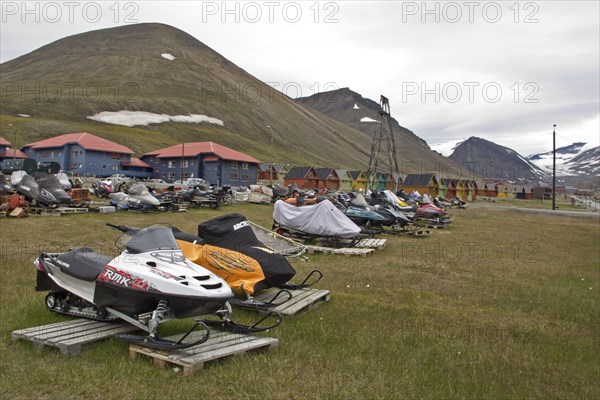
[{"x": 501, "y": 305}]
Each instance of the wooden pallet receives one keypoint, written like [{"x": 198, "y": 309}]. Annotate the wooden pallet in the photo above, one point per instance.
[
  {"x": 347, "y": 251},
  {"x": 437, "y": 226},
  {"x": 376, "y": 244},
  {"x": 302, "y": 300},
  {"x": 71, "y": 337},
  {"x": 219, "y": 345},
  {"x": 72, "y": 210}
]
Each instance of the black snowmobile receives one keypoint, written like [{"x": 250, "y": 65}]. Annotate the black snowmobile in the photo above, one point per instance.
[
  {"x": 45, "y": 192},
  {"x": 5, "y": 186},
  {"x": 151, "y": 281},
  {"x": 228, "y": 246}
]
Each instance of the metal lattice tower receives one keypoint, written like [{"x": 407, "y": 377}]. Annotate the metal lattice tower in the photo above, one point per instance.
[{"x": 383, "y": 147}]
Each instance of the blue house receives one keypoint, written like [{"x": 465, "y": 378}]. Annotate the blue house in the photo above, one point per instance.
[
  {"x": 88, "y": 155},
  {"x": 217, "y": 164},
  {"x": 6, "y": 153}
]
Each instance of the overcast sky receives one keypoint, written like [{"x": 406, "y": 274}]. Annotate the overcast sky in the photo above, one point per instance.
[{"x": 503, "y": 71}]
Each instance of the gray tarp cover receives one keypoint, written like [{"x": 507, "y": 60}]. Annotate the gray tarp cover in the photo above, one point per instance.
[{"x": 322, "y": 219}]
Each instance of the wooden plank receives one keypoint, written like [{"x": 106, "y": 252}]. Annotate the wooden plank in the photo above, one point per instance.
[
  {"x": 302, "y": 299},
  {"x": 345, "y": 250},
  {"x": 70, "y": 337},
  {"x": 219, "y": 345}
]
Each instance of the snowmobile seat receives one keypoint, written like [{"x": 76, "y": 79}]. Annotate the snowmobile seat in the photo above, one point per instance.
[{"x": 82, "y": 263}]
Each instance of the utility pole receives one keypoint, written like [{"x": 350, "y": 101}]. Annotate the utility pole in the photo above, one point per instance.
[
  {"x": 14, "y": 145},
  {"x": 554, "y": 168},
  {"x": 181, "y": 163}
]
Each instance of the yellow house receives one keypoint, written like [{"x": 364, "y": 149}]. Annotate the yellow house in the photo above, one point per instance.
[
  {"x": 359, "y": 180},
  {"x": 462, "y": 189}
]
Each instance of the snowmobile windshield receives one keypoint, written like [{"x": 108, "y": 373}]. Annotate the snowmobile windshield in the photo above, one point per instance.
[
  {"x": 391, "y": 197},
  {"x": 138, "y": 190},
  {"x": 426, "y": 199},
  {"x": 50, "y": 182},
  {"x": 153, "y": 238},
  {"x": 359, "y": 201}
]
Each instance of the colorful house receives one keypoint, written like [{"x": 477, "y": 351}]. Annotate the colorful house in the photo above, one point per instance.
[
  {"x": 382, "y": 181},
  {"x": 345, "y": 180},
  {"x": 88, "y": 155},
  {"x": 422, "y": 183},
  {"x": 450, "y": 185},
  {"x": 6, "y": 153},
  {"x": 461, "y": 189},
  {"x": 471, "y": 191},
  {"x": 359, "y": 180},
  {"x": 328, "y": 179},
  {"x": 217, "y": 164},
  {"x": 441, "y": 187},
  {"x": 480, "y": 188},
  {"x": 491, "y": 189},
  {"x": 303, "y": 177}
]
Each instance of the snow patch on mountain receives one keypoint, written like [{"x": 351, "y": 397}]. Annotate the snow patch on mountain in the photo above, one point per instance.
[{"x": 446, "y": 148}]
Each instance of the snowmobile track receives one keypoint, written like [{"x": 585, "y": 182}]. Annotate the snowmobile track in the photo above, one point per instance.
[
  {"x": 72, "y": 336},
  {"x": 219, "y": 344}
]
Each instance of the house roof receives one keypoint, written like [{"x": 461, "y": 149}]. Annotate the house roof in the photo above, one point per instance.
[
  {"x": 136, "y": 162},
  {"x": 4, "y": 142},
  {"x": 355, "y": 174},
  {"x": 417, "y": 180},
  {"x": 10, "y": 153},
  {"x": 297, "y": 172},
  {"x": 323, "y": 173},
  {"x": 85, "y": 140},
  {"x": 195, "y": 148}
]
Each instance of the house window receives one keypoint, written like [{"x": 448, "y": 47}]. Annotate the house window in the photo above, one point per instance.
[
  {"x": 245, "y": 166},
  {"x": 184, "y": 163},
  {"x": 116, "y": 156},
  {"x": 43, "y": 154},
  {"x": 60, "y": 153},
  {"x": 244, "y": 177},
  {"x": 192, "y": 162},
  {"x": 172, "y": 176},
  {"x": 157, "y": 170},
  {"x": 171, "y": 163},
  {"x": 115, "y": 167},
  {"x": 74, "y": 154},
  {"x": 233, "y": 165},
  {"x": 51, "y": 154},
  {"x": 164, "y": 163},
  {"x": 233, "y": 177}
]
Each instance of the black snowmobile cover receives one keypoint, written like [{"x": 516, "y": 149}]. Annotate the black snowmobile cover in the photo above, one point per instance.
[{"x": 233, "y": 232}]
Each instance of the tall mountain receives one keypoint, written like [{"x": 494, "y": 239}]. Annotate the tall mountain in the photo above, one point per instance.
[
  {"x": 575, "y": 159},
  {"x": 155, "y": 68},
  {"x": 491, "y": 160},
  {"x": 357, "y": 112}
]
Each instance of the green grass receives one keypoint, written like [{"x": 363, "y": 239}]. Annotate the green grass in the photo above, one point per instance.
[{"x": 501, "y": 305}]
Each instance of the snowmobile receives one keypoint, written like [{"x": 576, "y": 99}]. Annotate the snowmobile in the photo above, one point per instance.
[
  {"x": 137, "y": 198},
  {"x": 150, "y": 282},
  {"x": 283, "y": 192},
  {"x": 64, "y": 180},
  {"x": 5, "y": 186},
  {"x": 228, "y": 246},
  {"x": 104, "y": 188},
  {"x": 362, "y": 215},
  {"x": 45, "y": 192},
  {"x": 199, "y": 195},
  {"x": 323, "y": 221}
]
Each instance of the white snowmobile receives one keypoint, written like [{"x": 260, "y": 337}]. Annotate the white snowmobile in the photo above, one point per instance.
[{"x": 149, "y": 282}]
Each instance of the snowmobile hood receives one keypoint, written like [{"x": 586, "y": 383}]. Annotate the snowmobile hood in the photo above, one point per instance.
[
  {"x": 16, "y": 177},
  {"x": 51, "y": 190},
  {"x": 64, "y": 180}
]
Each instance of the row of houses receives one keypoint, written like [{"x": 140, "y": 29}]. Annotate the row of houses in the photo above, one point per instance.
[
  {"x": 85, "y": 154},
  {"x": 431, "y": 184},
  {"x": 89, "y": 155}
]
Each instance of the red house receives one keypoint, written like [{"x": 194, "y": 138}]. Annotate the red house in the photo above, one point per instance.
[
  {"x": 328, "y": 179},
  {"x": 303, "y": 177}
]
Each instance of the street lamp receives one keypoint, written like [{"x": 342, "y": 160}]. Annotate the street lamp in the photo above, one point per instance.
[
  {"x": 15, "y": 142},
  {"x": 554, "y": 168}
]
